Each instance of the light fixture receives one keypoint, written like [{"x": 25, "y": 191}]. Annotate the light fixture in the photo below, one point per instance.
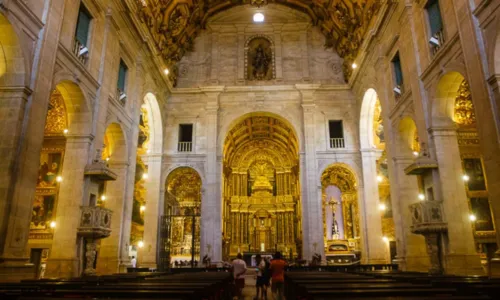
[
  {"x": 258, "y": 17},
  {"x": 465, "y": 177},
  {"x": 166, "y": 71},
  {"x": 145, "y": 176},
  {"x": 103, "y": 197},
  {"x": 385, "y": 239},
  {"x": 148, "y": 151},
  {"x": 59, "y": 178},
  {"x": 382, "y": 207},
  {"x": 140, "y": 244},
  {"x": 107, "y": 158},
  {"x": 415, "y": 153},
  {"x": 421, "y": 197},
  {"x": 65, "y": 131},
  {"x": 472, "y": 218},
  {"x": 143, "y": 208},
  {"x": 380, "y": 178},
  {"x": 354, "y": 65},
  {"x": 53, "y": 224}
]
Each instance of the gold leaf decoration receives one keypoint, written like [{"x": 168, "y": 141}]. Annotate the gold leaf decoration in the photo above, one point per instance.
[
  {"x": 56, "y": 120},
  {"x": 464, "y": 108}
]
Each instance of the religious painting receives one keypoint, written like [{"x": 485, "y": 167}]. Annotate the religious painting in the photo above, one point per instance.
[
  {"x": 42, "y": 212},
  {"x": 474, "y": 169},
  {"x": 50, "y": 167},
  {"x": 481, "y": 209},
  {"x": 260, "y": 59}
]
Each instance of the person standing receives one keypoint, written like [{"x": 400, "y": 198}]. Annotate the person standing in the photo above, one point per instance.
[
  {"x": 260, "y": 284},
  {"x": 133, "y": 261},
  {"x": 278, "y": 276},
  {"x": 239, "y": 269}
]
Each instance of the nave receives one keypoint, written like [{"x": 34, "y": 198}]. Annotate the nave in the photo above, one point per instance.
[{"x": 362, "y": 282}]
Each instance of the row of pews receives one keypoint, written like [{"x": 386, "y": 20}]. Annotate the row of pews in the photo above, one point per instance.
[
  {"x": 200, "y": 285},
  {"x": 387, "y": 286}
]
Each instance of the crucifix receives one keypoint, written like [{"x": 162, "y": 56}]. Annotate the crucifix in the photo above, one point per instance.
[{"x": 335, "y": 226}]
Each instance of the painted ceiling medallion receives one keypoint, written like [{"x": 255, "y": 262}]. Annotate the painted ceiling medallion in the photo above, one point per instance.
[{"x": 174, "y": 24}]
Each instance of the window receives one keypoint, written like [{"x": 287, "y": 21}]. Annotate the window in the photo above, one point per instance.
[
  {"x": 398, "y": 72},
  {"x": 122, "y": 76},
  {"x": 336, "y": 130},
  {"x": 434, "y": 16},
  {"x": 185, "y": 138},
  {"x": 83, "y": 26}
]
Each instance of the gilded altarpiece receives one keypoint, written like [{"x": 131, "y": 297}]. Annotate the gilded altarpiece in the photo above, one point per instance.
[
  {"x": 51, "y": 160},
  {"x": 341, "y": 177},
  {"x": 261, "y": 189}
]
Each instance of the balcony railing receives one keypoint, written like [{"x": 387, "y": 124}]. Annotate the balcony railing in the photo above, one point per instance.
[
  {"x": 439, "y": 36},
  {"x": 81, "y": 52},
  {"x": 185, "y": 147},
  {"x": 95, "y": 222},
  {"x": 337, "y": 143}
]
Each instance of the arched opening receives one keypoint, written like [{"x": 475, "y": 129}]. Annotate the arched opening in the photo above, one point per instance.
[
  {"x": 373, "y": 143},
  {"x": 12, "y": 63},
  {"x": 408, "y": 143},
  {"x": 66, "y": 115},
  {"x": 341, "y": 225},
  {"x": 147, "y": 183},
  {"x": 111, "y": 195},
  {"x": 261, "y": 193},
  {"x": 454, "y": 103},
  {"x": 183, "y": 208}
]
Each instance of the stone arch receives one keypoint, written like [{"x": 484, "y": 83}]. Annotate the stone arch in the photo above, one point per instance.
[
  {"x": 231, "y": 121},
  {"x": 77, "y": 107},
  {"x": 168, "y": 170},
  {"x": 152, "y": 108},
  {"x": 115, "y": 144},
  {"x": 446, "y": 92},
  {"x": 13, "y": 66},
  {"x": 370, "y": 99},
  {"x": 407, "y": 132}
]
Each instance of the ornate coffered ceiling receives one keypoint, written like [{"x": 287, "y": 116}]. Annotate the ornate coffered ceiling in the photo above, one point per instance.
[{"x": 174, "y": 24}]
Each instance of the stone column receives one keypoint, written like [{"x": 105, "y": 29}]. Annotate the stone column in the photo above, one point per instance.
[
  {"x": 154, "y": 209},
  {"x": 411, "y": 249},
  {"x": 108, "y": 261},
  {"x": 369, "y": 202},
  {"x": 461, "y": 257},
  {"x": 63, "y": 260},
  {"x": 211, "y": 203},
  {"x": 311, "y": 190}
]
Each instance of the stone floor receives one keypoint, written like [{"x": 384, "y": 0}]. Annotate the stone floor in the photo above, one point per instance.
[{"x": 249, "y": 290}]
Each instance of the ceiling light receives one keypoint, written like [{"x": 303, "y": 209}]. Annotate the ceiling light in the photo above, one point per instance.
[
  {"x": 472, "y": 218},
  {"x": 421, "y": 197},
  {"x": 386, "y": 239},
  {"x": 143, "y": 208},
  {"x": 166, "y": 71},
  {"x": 140, "y": 244},
  {"x": 258, "y": 18},
  {"x": 65, "y": 131},
  {"x": 59, "y": 178},
  {"x": 466, "y": 177},
  {"x": 103, "y": 197},
  {"x": 382, "y": 207},
  {"x": 52, "y": 224},
  {"x": 415, "y": 153},
  {"x": 354, "y": 65},
  {"x": 380, "y": 178},
  {"x": 145, "y": 176}
]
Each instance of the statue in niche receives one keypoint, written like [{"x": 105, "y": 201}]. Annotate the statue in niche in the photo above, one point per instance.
[{"x": 259, "y": 60}]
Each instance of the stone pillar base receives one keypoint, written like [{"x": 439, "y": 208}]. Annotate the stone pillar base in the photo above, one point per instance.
[
  {"x": 16, "y": 270},
  {"x": 62, "y": 268},
  {"x": 462, "y": 264},
  {"x": 415, "y": 264}
]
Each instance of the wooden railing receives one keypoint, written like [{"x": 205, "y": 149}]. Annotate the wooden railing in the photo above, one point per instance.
[
  {"x": 337, "y": 143},
  {"x": 185, "y": 146},
  {"x": 80, "y": 53}
]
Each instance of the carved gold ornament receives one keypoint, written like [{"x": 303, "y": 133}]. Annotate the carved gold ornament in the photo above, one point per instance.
[
  {"x": 173, "y": 25},
  {"x": 464, "y": 107},
  {"x": 56, "y": 120}
]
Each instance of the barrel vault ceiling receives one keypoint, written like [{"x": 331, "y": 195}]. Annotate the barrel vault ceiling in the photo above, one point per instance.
[{"x": 172, "y": 25}]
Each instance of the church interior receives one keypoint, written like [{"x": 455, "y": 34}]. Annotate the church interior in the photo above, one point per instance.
[{"x": 169, "y": 134}]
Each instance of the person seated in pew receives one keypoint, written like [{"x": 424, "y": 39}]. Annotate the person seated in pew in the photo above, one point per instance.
[{"x": 239, "y": 268}]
